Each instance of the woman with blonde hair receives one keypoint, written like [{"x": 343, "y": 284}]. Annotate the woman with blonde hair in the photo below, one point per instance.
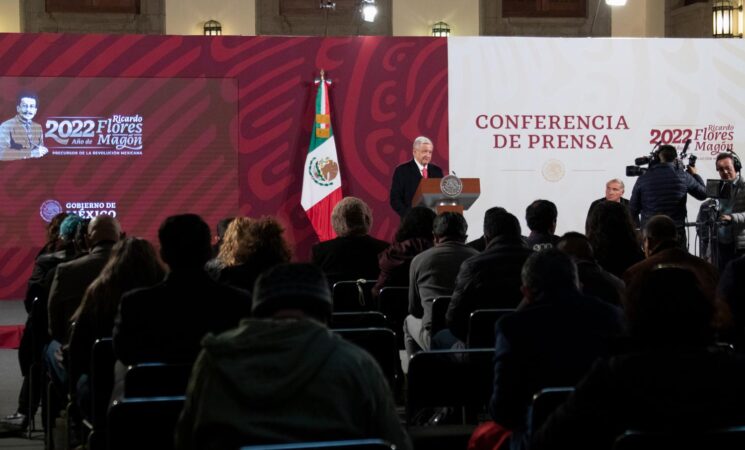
[{"x": 251, "y": 246}]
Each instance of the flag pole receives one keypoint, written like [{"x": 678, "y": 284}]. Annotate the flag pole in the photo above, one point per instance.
[{"x": 322, "y": 185}]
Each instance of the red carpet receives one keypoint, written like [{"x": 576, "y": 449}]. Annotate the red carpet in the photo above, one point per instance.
[{"x": 10, "y": 336}]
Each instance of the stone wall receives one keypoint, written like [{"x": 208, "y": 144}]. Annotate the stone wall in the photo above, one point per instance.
[
  {"x": 150, "y": 20},
  {"x": 493, "y": 24}
]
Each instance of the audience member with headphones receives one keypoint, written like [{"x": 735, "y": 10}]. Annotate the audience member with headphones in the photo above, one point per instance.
[{"x": 731, "y": 237}]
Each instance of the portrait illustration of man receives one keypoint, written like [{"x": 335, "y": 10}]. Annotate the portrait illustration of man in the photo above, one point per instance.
[{"x": 21, "y": 137}]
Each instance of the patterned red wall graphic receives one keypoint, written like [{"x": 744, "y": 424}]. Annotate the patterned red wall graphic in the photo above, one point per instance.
[{"x": 385, "y": 92}]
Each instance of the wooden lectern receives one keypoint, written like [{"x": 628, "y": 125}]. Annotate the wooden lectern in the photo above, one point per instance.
[{"x": 429, "y": 194}]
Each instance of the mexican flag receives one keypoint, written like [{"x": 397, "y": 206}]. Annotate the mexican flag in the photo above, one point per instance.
[{"x": 321, "y": 177}]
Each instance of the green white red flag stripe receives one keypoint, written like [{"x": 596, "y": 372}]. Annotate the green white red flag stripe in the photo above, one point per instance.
[{"x": 321, "y": 174}]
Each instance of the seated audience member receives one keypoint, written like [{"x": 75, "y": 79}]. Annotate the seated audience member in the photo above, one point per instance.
[
  {"x": 222, "y": 227},
  {"x": 251, "y": 246},
  {"x": 672, "y": 380},
  {"x": 732, "y": 291},
  {"x": 488, "y": 280},
  {"x": 661, "y": 247},
  {"x": 214, "y": 265},
  {"x": 353, "y": 254},
  {"x": 71, "y": 279},
  {"x": 541, "y": 218},
  {"x": 283, "y": 376},
  {"x": 57, "y": 249},
  {"x": 414, "y": 235},
  {"x": 133, "y": 264},
  {"x": 432, "y": 274},
  {"x": 551, "y": 340},
  {"x": 166, "y": 322},
  {"x": 614, "y": 190},
  {"x": 613, "y": 237},
  {"x": 480, "y": 243},
  {"x": 593, "y": 279}
]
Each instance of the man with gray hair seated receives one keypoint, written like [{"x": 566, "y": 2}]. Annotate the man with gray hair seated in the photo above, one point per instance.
[
  {"x": 407, "y": 176},
  {"x": 353, "y": 254},
  {"x": 614, "y": 190}
]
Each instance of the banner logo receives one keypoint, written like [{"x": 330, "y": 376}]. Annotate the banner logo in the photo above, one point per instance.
[
  {"x": 90, "y": 136},
  {"x": 553, "y": 170},
  {"x": 323, "y": 171},
  {"x": 451, "y": 186},
  {"x": 49, "y": 209},
  {"x": 86, "y": 210}
]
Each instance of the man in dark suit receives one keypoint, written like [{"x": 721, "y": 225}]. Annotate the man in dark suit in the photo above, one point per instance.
[
  {"x": 490, "y": 279},
  {"x": 661, "y": 247},
  {"x": 551, "y": 340},
  {"x": 614, "y": 190},
  {"x": 407, "y": 176},
  {"x": 21, "y": 137},
  {"x": 166, "y": 322},
  {"x": 541, "y": 218},
  {"x": 72, "y": 278}
]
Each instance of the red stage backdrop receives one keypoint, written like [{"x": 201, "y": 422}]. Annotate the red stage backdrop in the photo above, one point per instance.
[{"x": 148, "y": 126}]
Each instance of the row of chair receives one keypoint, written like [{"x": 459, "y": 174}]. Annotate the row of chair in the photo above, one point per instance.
[
  {"x": 153, "y": 396},
  {"x": 356, "y": 444},
  {"x": 154, "y": 392},
  {"x": 729, "y": 438},
  {"x": 458, "y": 379},
  {"x": 480, "y": 326},
  {"x": 393, "y": 303}
]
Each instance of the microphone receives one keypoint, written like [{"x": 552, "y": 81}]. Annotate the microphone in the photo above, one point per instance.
[{"x": 685, "y": 148}]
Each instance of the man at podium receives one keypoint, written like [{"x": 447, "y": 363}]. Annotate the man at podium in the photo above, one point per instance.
[{"x": 407, "y": 175}]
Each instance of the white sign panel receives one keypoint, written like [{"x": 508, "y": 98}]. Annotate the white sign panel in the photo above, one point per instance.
[{"x": 557, "y": 118}]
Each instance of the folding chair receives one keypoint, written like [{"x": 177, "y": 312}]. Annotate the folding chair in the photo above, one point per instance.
[
  {"x": 37, "y": 326},
  {"x": 727, "y": 438},
  {"x": 380, "y": 343},
  {"x": 545, "y": 403},
  {"x": 481, "y": 327},
  {"x": 101, "y": 385},
  {"x": 354, "y": 295},
  {"x": 359, "y": 319},
  {"x": 458, "y": 379},
  {"x": 156, "y": 380},
  {"x": 439, "y": 310},
  {"x": 394, "y": 303},
  {"x": 143, "y": 422},
  {"x": 359, "y": 444}
]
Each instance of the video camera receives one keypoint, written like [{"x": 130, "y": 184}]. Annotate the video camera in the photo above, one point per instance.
[{"x": 654, "y": 158}]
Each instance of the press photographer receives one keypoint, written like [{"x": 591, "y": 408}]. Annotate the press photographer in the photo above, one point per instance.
[
  {"x": 663, "y": 189},
  {"x": 722, "y": 219}
]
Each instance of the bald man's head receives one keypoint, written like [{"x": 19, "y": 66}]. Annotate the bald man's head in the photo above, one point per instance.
[{"x": 103, "y": 228}]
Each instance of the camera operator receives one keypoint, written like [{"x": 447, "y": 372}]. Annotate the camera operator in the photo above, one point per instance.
[
  {"x": 663, "y": 190},
  {"x": 731, "y": 234}
]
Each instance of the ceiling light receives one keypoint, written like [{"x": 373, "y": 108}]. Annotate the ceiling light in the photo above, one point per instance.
[{"x": 369, "y": 10}]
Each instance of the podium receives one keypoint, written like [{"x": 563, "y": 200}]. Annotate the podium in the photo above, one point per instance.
[{"x": 429, "y": 193}]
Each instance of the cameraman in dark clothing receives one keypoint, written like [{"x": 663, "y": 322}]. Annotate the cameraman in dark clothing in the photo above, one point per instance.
[{"x": 663, "y": 189}]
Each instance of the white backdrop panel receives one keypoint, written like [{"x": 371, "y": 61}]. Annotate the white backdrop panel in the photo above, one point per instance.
[{"x": 679, "y": 87}]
